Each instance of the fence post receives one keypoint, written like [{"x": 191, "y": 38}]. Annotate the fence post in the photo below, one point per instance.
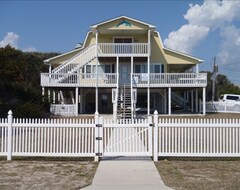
[
  {"x": 150, "y": 137},
  {"x": 98, "y": 137},
  {"x": 9, "y": 142},
  {"x": 96, "y": 149},
  {"x": 155, "y": 139}
]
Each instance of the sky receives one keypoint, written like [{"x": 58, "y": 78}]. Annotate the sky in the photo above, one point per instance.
[{"x": 200, "y": 28}]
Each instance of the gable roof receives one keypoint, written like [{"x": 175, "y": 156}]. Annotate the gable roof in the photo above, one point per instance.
[
  {"x": 183, "y": 54},
  {"x": 122, "y": 17}
]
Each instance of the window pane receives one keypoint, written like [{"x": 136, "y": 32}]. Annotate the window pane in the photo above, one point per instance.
[
  {"x": 137, "y": 69},
  {"x": 157, "y": 69},
  {"x": 88, "y": 69},
  {"x": 107, "y": 68}
]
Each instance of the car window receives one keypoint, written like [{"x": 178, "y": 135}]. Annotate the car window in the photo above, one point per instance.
[{"x": 232, "y": 97}]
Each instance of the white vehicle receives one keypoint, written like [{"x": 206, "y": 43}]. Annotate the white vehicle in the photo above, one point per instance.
[{"x": 232, "y": 101}]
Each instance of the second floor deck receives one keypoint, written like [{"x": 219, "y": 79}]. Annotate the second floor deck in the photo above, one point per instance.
[{"x": 138, "y": 80}]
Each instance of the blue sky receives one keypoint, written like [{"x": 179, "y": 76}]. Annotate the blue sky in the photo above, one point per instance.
[{"x": 201, "y": 29}]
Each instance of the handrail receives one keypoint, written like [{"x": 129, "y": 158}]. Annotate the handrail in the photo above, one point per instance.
[{"x": 84, "y": 55}]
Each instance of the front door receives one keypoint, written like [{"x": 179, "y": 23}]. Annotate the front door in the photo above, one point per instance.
[{"x": 125, "y": 74}]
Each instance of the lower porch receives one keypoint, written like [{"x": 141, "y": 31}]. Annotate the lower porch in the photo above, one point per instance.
[{"x": 75, "y": 101}]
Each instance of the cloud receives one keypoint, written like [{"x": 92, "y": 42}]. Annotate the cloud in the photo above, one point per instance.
[
  {"x": 10, "y": 39},
  {"x": 201, "y": 20},
  {"x": 230, "y": 47},
  {"x": 186, "y": 38},
  {"x": 29, "y": 49}
]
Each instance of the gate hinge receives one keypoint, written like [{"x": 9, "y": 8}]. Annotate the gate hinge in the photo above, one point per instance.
[
  {"x": 98, "y": 125},
  {"x": 151, "y": 124},
  {"x": 98, "y": 138},
  {"x": 98, "y": 154}
]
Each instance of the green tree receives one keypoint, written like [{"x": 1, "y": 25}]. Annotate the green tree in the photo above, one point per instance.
[{"x": 20, "y": 82}]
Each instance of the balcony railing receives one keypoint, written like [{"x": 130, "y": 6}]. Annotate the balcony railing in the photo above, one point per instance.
[
  {"x": 123, "y": 49},
  {"x": 139, "y": 79},
  {"x": 170, "y": 79},
  {"x": 82, "y": 79}
]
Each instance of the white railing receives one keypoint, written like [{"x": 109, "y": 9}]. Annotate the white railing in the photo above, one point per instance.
[
  {"x": 63, "y": 109},
  {"x": 75, "y": 79},
  {"x": 231, "y": 107},
  {"x": 97, "y": 137},
  {"x": 77, "y": 61},
  {"x": 170, "y": 79},
  {"x": 123, "y": 49}
]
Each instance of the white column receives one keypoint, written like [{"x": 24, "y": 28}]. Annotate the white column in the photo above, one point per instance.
[
  {"x": 204, "y": 101},
  {"x": 81, "y": 101},
  {"x": 132, "y": 106},
  {"x": 43, "y": 93},
  {"x": 49, "y": 95},
  {"x": 196, "y": 100},
  {"x": 117, "y": 71},
  {"x": 197, "y": 69},
  {"x": 76, "y": 101},
  {"x": 169, "y": 101},
  {"x": 148, "y": 65},
  {"x": 54, "y": 97},
  {"x": 96, "y": 101}
]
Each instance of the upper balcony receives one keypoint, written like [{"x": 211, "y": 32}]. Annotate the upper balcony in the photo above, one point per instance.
[
  {"x": 139, "y": 80},
  {"x": 123, "y": 49}
]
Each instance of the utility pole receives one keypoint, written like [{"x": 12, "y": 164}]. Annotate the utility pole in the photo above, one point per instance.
[{"x": 214, "y": 75}]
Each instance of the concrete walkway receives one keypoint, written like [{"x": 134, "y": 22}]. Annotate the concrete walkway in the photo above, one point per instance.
[{"x": 127, "y": 174}]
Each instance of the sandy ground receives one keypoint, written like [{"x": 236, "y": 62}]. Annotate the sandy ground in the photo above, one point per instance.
[
  {"x": 201, "y": 174},
  {"x": 54, "y": 174}
]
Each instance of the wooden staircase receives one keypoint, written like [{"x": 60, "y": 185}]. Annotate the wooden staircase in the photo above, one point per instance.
[{"x": 124, "y": 102}]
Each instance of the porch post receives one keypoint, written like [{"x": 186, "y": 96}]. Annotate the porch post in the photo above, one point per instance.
[
  {"x": 117, "y": 71},
  {"x": 204, "y": 101},
  {"x": 96, "y": 101},
  {"x": 197, "y": 69},
  {"x": 81, "y": 101},
  {"x": 169, "y": 101},
  {"x": 132, "y": 87},
  {"x": 76, "y": 101},
  {"x": 54, "y": 96},
  {"x": 148, "y": 60},
  {"x": 196, "y": 100},
  {"x": 43, "y": 93}
]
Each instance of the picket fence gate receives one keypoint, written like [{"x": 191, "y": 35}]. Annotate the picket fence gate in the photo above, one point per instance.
[{"x": 98, "y": 137}]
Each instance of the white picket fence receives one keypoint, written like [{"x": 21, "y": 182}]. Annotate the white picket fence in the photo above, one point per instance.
[{"x": 98, "y": 137}]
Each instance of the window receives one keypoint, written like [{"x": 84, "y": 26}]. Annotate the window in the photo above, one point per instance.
[
  {"x": 232, "y": 97},
  {"x": 156, "y": 68},
  {"x": 107, "y": 68},
  {"x": 137, "y": 69},
  {"x": 141, "y": 68},
  {"x": 88, "y": 69}
]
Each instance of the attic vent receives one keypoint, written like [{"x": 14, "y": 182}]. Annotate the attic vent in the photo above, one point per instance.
[{"x": 125, "y": 23}]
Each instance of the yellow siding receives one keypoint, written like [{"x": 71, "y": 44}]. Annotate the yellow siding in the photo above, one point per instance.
[{"x": 175, "y": 58}]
